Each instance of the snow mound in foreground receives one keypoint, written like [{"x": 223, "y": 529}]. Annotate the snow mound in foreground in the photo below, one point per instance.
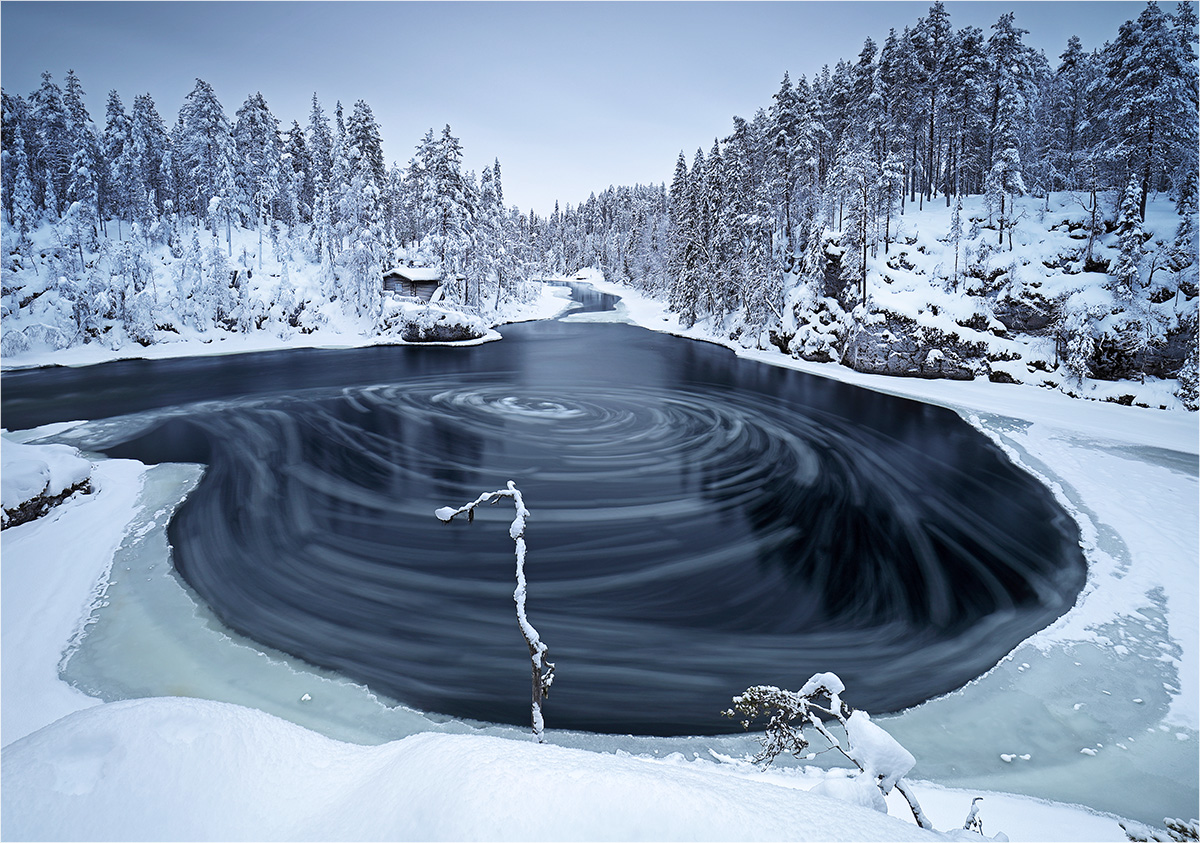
[{"x": 174, "y": 768}]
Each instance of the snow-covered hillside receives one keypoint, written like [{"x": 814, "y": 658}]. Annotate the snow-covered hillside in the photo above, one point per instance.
[
  {"x": 962, "y": 306},
  {"x": 1039, "y": 308}
]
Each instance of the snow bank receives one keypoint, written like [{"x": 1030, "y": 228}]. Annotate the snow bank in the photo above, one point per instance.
[
  {"x": 54, "y": 572},
  {"x": 173, "y": 768}
]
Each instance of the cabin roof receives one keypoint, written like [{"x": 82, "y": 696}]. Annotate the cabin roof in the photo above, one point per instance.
[{"x": 415, "y": 273}]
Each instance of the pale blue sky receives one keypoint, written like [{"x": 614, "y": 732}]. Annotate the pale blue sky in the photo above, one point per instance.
[{"x": 571, "y": 97}]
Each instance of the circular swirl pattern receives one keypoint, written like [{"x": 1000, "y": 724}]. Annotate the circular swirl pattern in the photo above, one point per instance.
[{"x": 693, "y": 532}]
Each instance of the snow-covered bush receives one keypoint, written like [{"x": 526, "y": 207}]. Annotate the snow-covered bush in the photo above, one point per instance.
[
  {"x": 1177, "y": 831},
  {"x": 881, "y": 761},
  {"x": 1188, "y": 381}
]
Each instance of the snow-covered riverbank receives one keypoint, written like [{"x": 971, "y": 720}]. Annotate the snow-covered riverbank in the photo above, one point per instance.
[
  {"x": 1100, "y": 707},
  {"x": 1111, "y": 689}
]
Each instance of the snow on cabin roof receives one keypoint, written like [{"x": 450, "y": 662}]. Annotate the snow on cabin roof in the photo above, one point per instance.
[{"x": 416, "y": 273}]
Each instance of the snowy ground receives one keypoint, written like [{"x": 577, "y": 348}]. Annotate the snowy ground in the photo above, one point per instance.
[{"x": 1099, "y": 709}]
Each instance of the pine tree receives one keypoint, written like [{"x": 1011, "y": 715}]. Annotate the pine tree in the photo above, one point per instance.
[
  {"x": 955, "y": 238},
  {"x": 24, "y": 211},
  {"x": 1011, "y": 83},
  {"x": 1004, "y": 183},
  {"x": 933, "y": 35},
  {"x": 82, "y": 218},
  {"x": 300, "y": 164},
  {"x": 259, "y": 162},
  {"x": 364, "y": 137},
  {"x": 1070, "y": 116},
  {"x": 320, "y": 142},
  {"x": 12, "y": 119},
  {"x": 449, "y": 204},
  {"x": 854, "y": 180},
  {"x": 151, "y": 185},
  {"x": 683, "y": 262},
  {"x": 966, "y": 112},
  {"x": 83, "y": 139}
]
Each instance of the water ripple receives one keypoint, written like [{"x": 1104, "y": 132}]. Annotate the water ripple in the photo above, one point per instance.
[{"x": 685, "y": 542}]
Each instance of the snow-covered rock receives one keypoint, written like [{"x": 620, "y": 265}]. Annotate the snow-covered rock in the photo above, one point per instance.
[
  {"x": 35, "y": 478},
  {"x": 415, "y": 321},
  {"x": 890, "y": 343}
]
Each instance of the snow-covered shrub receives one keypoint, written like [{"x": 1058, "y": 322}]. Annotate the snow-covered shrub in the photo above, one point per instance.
[
  {"x": 13, "y": 343},
  {"x": 1121, "y": 340},
  {"x": 139, "y": 315},
  {"x": 1178, "y": 831},
  {"x": 1188, "y": 377},
  {"x": 820, "y": 331},
  {"x": 881, "y": 761}
]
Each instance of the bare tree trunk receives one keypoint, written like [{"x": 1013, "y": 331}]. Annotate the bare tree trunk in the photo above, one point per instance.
[
  {"x": 541, "y": 670},
  {"x": 913, "y": 805}
]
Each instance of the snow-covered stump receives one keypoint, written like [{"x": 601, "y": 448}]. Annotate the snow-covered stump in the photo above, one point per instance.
[
  {"x": 879, "y": 757},
  {"x": 541, "y": 670}
]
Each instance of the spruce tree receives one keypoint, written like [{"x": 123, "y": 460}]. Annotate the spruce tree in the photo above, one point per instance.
[
  {"x": 1126, "y": 272},
  {"x": 300, "y": 164},
  {"x": 117, "y": 149},
  {"x": 151, "y": 185},
  {"x": 259, "y": 159},
  {"x": 364, "y": 137},
  {"x": 1152, "y": 99},
  {"x": 49, "y": 147},
  {"x": 24, "y": 210},
  {"x": 320, "y": 144}
]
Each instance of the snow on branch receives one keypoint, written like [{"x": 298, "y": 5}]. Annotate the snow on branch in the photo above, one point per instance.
[
  {"x": 881, "y": 760},
  {"x": 542, "y": 670}
]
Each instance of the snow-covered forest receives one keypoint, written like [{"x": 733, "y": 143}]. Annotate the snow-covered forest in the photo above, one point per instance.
[
  {"x": 799, "y": 228},
  {"x": 950, "y": 203},
  {"x": 144, "y": 233}
]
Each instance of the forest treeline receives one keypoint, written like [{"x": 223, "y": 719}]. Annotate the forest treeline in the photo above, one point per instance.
[
  {"x": 781, "y": 215},
  {"x": 932, "y": 114}
]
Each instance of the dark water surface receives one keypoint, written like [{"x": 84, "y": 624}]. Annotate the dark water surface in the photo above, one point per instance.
[{"x": 699, "y": 523}]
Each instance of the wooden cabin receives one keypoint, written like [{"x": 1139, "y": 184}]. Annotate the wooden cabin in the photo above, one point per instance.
[{"x": 420, "y": 282}]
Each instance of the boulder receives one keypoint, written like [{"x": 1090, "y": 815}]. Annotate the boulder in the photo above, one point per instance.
[{"x": 889, "y": 343}]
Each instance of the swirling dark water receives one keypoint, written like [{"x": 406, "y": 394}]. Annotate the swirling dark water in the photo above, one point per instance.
[{"x": 699, "y": 523}]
